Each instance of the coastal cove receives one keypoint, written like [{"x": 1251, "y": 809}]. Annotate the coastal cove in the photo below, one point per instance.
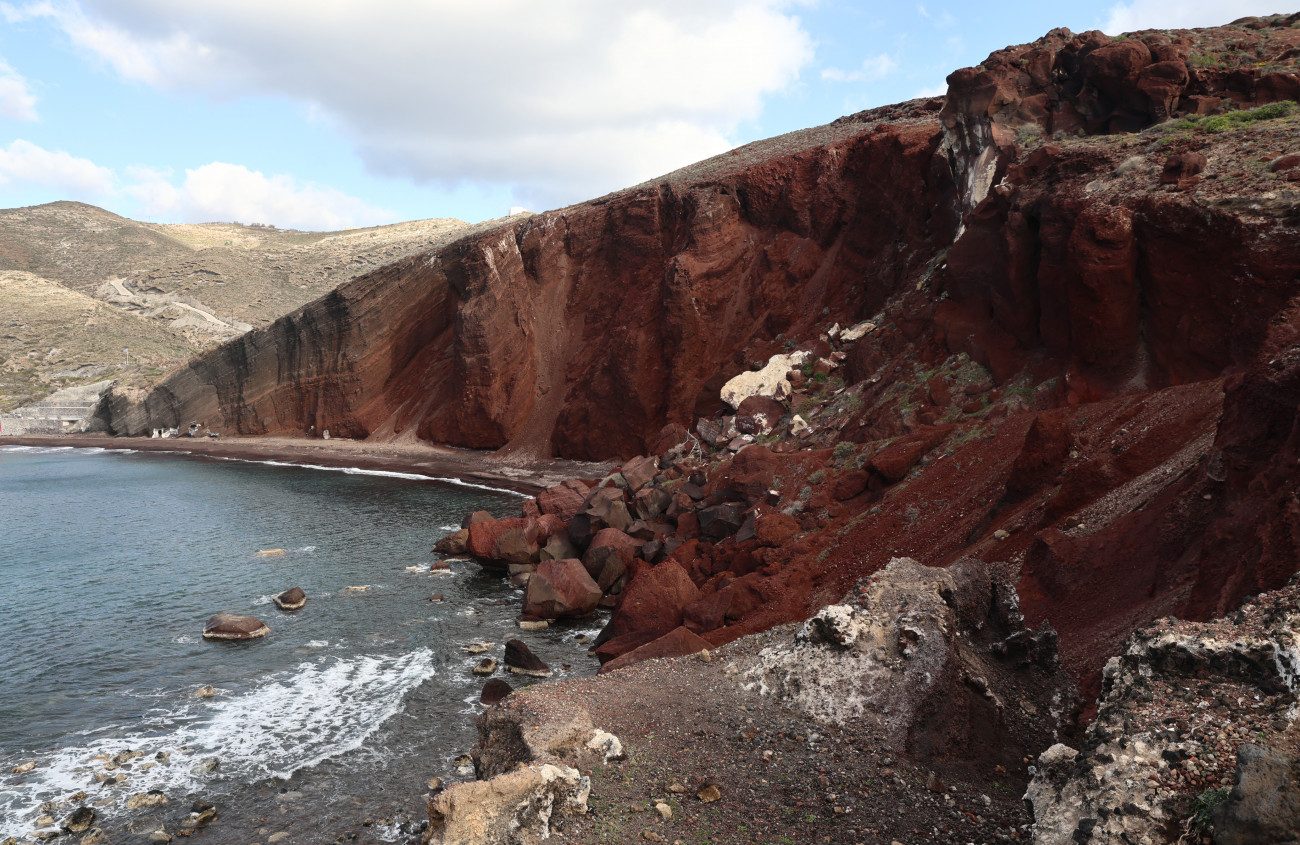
[{"x": 327, "y": 727}]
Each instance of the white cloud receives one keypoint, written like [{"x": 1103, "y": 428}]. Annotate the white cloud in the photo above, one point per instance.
[
  {"x": 215, "y": 192},
  {"x": 559, "y": 100},
  {"x": 17, "y": 101},
  {"x": 932, "y": 91},
  {"x": 24, "y": 165},
  {"x": 220, "y": 191},
  {"x": 942, "y": 20},
  {"x": 873, "y": 68},
  {"x": 1181, "y": 14}
]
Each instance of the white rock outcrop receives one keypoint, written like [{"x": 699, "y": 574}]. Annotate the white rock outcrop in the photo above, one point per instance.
[{"x": 769, "y": 381}]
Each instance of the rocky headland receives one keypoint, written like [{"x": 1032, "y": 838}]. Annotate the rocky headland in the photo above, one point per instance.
[{"x": 925, "y": 424}]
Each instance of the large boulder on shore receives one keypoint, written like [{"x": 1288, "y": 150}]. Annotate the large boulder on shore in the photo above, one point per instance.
[
  {"x": 653, "y": 601},
  {"x": 563, "y": 500},
  {"x": 609, "y": 544},
  {"x": 504, "y": 541},
  {"x": 559, "y": 589},
  {"x": 678, "y": 642},
  {"x": 515, "y": 808},
  {"x": 937, "y": 662},
  {"x": 231, "y": 626}
]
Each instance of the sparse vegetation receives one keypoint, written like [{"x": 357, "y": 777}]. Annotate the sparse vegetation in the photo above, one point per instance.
[
  {"x": 1202, "y": 820},
  {"x": 1237, "y": 119}
]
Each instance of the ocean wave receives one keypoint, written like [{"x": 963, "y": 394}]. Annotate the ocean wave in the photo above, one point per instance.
[
  {"x": 380, "y": 473},
  {"x": 292, "y": 721},
  {"x": 80, "y": 450}
]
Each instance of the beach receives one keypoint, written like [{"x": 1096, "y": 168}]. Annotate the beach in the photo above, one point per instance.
[{"x": 516, "y": 473}]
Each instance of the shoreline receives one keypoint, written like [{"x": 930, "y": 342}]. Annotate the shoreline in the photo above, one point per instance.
[{"x": 479, "y": 467}]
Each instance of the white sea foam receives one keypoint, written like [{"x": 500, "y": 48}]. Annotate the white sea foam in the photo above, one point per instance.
[
  {"x": 381, "y": 473},
  {"x": 261, "y": 600},
  {"x": 292, "y": 721},
  {"x": 317, "y": 644},
  {"x": 448, "y": 527}
]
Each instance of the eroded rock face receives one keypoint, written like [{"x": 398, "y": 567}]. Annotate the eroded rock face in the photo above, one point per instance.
[
  {"x": 527, "y": 761},
  {"x": 515, "y": 808},
  {"x": 649, "y": 301},
  {"x": 938, "y": 659},
  {"x": 1188, "y": 711}
]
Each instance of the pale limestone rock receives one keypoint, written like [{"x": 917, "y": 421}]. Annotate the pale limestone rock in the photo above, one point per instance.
[{"x": 769, "y": 381}]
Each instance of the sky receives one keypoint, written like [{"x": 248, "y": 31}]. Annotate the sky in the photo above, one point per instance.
[{"x": 330, "y": 114}]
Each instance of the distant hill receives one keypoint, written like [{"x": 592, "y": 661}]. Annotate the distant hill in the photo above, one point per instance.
[{"x": 89, "y": 295}]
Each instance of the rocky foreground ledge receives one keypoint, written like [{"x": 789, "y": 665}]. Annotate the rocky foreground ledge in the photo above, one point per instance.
[{"x": 918, "y": 709}]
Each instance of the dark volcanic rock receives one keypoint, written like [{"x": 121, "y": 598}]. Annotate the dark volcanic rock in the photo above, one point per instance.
[
  {"x": 495, "y": 691},
  {"x": 229, "y": 626},
  {"x": 519, "y": 658},
  {"x": 291, "y": 599}
]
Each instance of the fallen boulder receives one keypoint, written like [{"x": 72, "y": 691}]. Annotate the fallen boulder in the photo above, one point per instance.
[
  {"x": 758, "y": 414},
  {"x": 678, "y": 642},
  {"x": 291, "y": 599},
  {"x": 609, "y": 544},
  {"x": 455, "y": 543},
  {"x": 915, "y": 654},
  {"x": 514, "y": 808},
  {"x": 769, "y": 381},
  {"x": 494, "y": 691},
  {"x": 519, "y": 659},
  {"x": 560, "y": 589},
  {"x": 230, "y": 626},
  {"x": 652, "y": 602}
]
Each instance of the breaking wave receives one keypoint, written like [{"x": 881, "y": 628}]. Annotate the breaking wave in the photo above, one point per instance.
[{"x": 291, "y": 721}]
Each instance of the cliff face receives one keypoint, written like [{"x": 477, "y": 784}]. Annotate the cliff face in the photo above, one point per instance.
[
  {"x": 580, "y": 332},
  {"x": 1081, "y": 271}
]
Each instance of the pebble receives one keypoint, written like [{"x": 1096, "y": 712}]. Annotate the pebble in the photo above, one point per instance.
[
  {"x": 709, "y": 793},
  {"x": 160, "y": 835},
  {"x": 664, "y": 811},
  {"x": 206, "y": 691},
  {"x": 277, "y": 837}
]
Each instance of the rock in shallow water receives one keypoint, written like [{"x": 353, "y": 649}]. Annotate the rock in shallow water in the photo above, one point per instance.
[
  {"x": 291, "y": 599},
  {"x": 494, "y": 691},
  {"x": 230, "y": 626},
  {"x": 521, "y": 660}
]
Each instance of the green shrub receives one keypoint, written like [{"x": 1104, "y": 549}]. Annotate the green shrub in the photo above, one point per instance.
[
  {"x": 1203, "y": 809},
  {"x": 1237, "y": 119}
]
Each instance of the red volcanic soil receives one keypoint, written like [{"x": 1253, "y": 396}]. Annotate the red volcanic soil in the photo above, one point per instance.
[{"x": 1081, "y": 270}]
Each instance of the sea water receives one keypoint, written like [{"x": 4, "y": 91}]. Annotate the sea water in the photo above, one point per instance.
[{"x": 327, "y": 729}]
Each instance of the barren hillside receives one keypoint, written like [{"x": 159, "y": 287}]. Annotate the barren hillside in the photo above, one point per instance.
[{"x": 167, "y": 291}]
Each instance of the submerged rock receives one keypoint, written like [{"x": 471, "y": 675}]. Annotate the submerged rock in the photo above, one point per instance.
[
  {"x": 291, "y": 599},
  {"x": 521, "y": 660},
  {"x": 230, "y": 626}
]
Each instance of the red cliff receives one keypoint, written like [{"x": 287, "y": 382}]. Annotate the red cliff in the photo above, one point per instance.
[{"x": 1081, "y": 270}]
